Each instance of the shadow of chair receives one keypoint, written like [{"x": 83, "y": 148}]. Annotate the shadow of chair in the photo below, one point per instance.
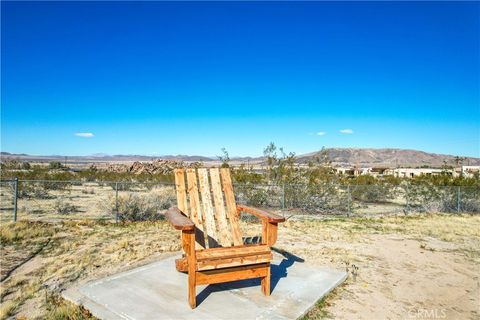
[{"x": 278, "y": 271}]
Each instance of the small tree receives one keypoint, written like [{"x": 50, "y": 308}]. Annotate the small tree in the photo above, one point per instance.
[{"x": 225, "y": 158}]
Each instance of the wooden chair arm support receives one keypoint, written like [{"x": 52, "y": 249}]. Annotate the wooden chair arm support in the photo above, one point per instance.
[
  {"x": 269, "y": 232},
  {"x": 179, "y": 220},
  {"x": 261, "y": 214}
]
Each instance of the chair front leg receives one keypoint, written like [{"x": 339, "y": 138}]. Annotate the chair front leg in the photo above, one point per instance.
[{"x": 188, "y": 243}]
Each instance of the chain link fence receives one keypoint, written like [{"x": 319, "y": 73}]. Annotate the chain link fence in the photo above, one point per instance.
[{"x": 49, "y": 200}]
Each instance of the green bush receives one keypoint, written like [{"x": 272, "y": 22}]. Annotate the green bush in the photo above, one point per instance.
[{"x": 55, "y": 165}]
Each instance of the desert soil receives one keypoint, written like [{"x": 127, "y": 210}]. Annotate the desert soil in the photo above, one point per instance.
[{"x": 424, "y": 267}]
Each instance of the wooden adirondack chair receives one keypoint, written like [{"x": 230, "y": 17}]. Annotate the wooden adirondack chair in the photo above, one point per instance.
[{"x": 214, "y": 250}]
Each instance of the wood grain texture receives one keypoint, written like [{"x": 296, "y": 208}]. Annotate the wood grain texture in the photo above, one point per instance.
[
  {"x": 224, "y": 232},
  {"x": 265, "y": 282},
  {"x": 227, "y": 257},
  {"x": 231, "y": 274},
  {"x": 231, "y": 251},
  {"x": 272, "y": 233},
  {"x": 188, "y": 240},
  {"x": 204, "y": 262},
  {"x": 261, "y": 214},
  {"x": 231, "y": 206},
  {"x": 269, "y": 233},
  {"x": 220, "y": 263},
  {"x": 181, "y": 191},
  {"x": 210, "y": 226},
  {"x": 195, "y": 207},
  {"x": 181, "y": 264},
  {"x": 178, "y": 220}
]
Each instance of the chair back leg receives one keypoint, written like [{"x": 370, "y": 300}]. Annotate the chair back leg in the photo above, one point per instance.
[{"x": 266, "y": 282}]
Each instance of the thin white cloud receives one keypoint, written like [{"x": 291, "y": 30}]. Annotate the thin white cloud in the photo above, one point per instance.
[
  {"x": 84, "y": 134},
  {"x": 346, "y": 131},
  {"x": 321, "y": 133}
]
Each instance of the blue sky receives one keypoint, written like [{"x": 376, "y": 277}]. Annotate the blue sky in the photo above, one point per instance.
[{"x": 191, "y": 78}]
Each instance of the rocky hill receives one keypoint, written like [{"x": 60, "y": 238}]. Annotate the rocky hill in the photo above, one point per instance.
[{"x": 387, "y": 157}]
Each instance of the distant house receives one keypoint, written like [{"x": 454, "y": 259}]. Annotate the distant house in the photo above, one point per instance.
[
  {"x": 378, "y": 171},
  {"x": 415, "y": 172},
  {"x": 467, "y": 171},
  {"x": 345, "y": 170}
]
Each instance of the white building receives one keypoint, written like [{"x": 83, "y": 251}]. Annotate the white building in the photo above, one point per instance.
[
  {"x": 415, "y": 172},
  {"x": 469, "y": 171}
]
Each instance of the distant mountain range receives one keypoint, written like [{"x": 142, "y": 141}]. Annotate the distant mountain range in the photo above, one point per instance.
[
  {"x": 101, "y": 157},
  {"x": 387, "y": 157},
  {"x": 361, "y": 157}
]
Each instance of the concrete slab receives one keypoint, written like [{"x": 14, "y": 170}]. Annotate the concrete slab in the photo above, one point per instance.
[{"x": 158, "y": 291}]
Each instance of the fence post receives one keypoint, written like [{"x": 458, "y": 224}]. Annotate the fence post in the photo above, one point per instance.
[
  {"x": 15, "y": 198},
  {"x": 458, "y": 199},
  {"x": 283, "y": 196},
  {"x": 116, "y": 202},
  {"x": 349, "y": 201}
]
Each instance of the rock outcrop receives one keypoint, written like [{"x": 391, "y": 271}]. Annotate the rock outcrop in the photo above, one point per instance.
[{"x": 155, "y": 167}]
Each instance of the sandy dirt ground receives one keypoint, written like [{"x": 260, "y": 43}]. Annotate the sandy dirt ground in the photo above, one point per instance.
[
  {"x": 396, "y": 274},
  {"x": 399, "y": 268}
]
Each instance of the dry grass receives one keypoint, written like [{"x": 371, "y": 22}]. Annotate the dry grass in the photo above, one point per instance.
[{"x": 74, "y": 252}]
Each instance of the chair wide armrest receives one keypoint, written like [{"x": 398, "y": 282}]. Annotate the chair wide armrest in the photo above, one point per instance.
[
  {"x": 262, "y": 214},
  {"x": 179, "y": 220}
]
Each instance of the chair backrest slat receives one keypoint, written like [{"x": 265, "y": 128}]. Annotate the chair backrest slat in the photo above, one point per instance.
[
  {"x": 231, "y": 206},
  {"x": 217, "y": 223},
  {"x": 195, "y": 206},
  {"x": 220, "y": 214},
  {"x": 209, "y": 219},
  {"x": 181, "y": 191}
]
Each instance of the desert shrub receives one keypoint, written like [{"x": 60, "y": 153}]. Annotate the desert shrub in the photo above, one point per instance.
[
  {"x": 431, "y": 198},
  {"x": 428, "y": 198},
  {"x": 373, "y": 192},
  {"x": 55, "y": 165},
  {"x": 252, "y": 195},
  {"x": 33, "y": 190},
  {"x": 88, "y": 191},
  {"x": 322, "y": 198},
  {"x": 62, "y": 206},
  {"x": 10, "y": 164},
  {"x": 142, "y": 207},
  {"x": 26, "y": 166},
  {"x": 469, "y": 199},
  {"x": 470, "y": 205},
  {"x": 367, "y": 188},
  {"x": 57, "y": 185},
  {"x": 243, "y": 176}
]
